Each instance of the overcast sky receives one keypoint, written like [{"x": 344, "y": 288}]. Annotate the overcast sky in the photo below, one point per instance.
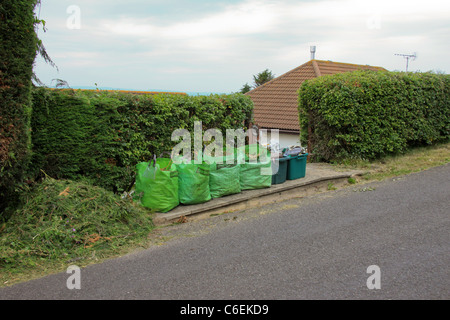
[{"x": 217, "y": 46}]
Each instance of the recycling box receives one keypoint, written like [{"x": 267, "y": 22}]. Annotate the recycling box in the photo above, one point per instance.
[
  {"x": 280, "y": 176},
  {"x": 296, "y": 167}
]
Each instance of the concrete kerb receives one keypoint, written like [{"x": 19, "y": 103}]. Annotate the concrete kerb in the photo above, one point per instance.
[{"x": 318, "y": 179}]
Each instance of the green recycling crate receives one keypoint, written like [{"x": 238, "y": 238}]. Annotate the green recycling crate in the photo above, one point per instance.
[
  {"x": 296, "y": 167},
  {"x": 280, "y": 176}
]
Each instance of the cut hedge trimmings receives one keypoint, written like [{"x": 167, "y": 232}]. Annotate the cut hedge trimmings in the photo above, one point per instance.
[{"x": 63, "y": 219}]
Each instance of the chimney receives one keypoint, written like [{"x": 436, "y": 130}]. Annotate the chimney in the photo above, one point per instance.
[{"x": 313, "y": 52}]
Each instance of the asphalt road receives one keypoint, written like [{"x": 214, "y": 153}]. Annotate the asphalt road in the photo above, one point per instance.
[{"x": 318, "y": 247}]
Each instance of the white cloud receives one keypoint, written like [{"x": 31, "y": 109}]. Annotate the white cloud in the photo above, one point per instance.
[
  {"x": 231, "y": 42},
  {"x": 130, "y": 28},
  {"x": 247, "y": 18}
]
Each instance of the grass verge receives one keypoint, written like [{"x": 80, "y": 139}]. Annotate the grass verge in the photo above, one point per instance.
[{"x": 415, "y": 160}]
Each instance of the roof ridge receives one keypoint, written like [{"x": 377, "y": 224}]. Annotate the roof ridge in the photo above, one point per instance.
[
  {"x": 350, "y": 64},
  {"x": 316, "y": 68}
]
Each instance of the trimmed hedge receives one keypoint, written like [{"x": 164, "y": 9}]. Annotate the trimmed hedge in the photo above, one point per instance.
[
  {"x": 368, "y": 114},
  {"x": 102, "y": 135},
  {"x": 18, "y": 44}
]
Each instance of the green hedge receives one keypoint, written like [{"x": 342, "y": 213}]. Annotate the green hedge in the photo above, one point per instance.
[
  {"x": 18, "y": 44},
  {"x": 102, "y": 135},
  {"x": 368, "y": 114}
]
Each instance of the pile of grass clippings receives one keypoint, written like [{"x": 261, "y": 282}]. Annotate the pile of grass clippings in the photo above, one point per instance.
[{"x": 63, "y": 219}]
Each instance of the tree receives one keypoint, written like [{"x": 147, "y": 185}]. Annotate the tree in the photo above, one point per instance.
[
  {"x": 258, "y": 79},
  {"x": 246, "y": 88},
  {"x": 263, "y": 77}
]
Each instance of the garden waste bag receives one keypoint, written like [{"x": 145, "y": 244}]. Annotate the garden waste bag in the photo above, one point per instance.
[
  {"x": 255, "y": 175},
  {"x": 255, "y": 168},
  {"x": 157, "y": 185},
  {"x": 223, "y": 178},
  {"x": 193, "y": 183}
]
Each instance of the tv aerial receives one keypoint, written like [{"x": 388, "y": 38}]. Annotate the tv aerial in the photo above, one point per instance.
[{"x": 407, "y": 57}]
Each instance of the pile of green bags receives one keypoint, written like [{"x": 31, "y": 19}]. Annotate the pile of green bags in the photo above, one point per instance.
[{"x": 161, "y": 185}]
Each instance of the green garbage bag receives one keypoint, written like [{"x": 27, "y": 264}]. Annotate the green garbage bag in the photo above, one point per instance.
[
  {"x": 223, "y": 177},
  {"x": 157, "y": 185},
  {"x": 255, "y": 167},
  {"x": 255, "y": 175},
  {"x": 193, "y": 183}
]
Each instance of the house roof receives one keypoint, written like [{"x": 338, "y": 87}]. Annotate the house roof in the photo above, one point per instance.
[{"x": 276, "y": 101}]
